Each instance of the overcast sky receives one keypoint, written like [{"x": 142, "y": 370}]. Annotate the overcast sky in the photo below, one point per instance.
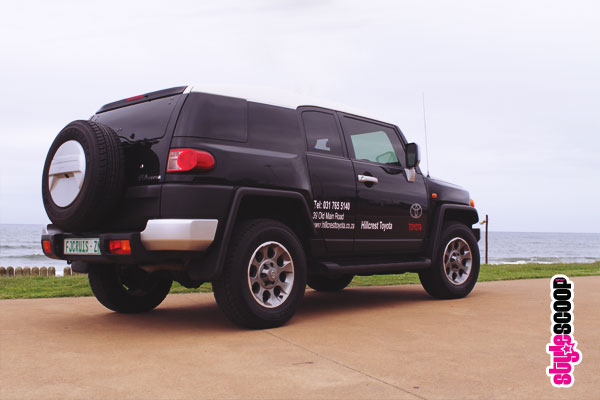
[{"x": 512, "y": 88}]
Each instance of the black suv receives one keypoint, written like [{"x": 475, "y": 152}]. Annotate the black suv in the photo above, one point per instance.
[{"x": 259, "y": 199}]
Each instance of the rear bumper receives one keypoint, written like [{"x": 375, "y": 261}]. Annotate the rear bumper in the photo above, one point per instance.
[
  {"x": 179, "y": 234},
  {"x": 161, "y": 239}
]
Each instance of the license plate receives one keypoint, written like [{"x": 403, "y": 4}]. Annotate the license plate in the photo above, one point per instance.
[{"x": 82, "y": 246}]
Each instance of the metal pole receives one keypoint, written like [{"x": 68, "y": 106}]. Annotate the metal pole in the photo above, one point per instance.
[{"x": 487, "y": 221}]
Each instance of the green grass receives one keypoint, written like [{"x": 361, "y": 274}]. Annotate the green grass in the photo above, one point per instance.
[
  {"x": 492, "y": 273},
  {"x": 77, "y": 285},
  {"x": 32, "y": 287},
  {"x": 35, "y": 287}
]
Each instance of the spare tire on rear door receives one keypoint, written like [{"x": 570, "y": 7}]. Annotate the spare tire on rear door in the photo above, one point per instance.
[{"x": 83, "y": 176}]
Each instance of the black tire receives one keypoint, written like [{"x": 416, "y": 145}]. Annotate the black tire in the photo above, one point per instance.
[
  {"x": 329, "y": 284},
  {"x": 233, "y": 291},
  {"x": 127, "y": 289},
  {"x": 436, "y": 280},
  {"x": 103, "y": 178}
]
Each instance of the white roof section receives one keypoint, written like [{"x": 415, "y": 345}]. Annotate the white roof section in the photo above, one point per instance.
[{"x": 278, "y": 98}]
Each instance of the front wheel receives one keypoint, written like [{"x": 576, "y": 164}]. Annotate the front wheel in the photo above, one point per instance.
[
  {"x": 127, "y": 289},
  {"x": 455, "y": 265},
  {"x": 264, "y": 275}
]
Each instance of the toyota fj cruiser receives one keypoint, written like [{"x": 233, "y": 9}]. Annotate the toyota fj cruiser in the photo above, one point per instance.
[{"x": 257, "y": 198}]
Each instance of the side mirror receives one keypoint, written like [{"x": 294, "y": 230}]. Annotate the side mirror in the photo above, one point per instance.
[{"x": 413, "y": 157}]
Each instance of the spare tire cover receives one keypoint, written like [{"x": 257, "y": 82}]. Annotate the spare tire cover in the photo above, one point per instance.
[{"x": 83, "y": 176}]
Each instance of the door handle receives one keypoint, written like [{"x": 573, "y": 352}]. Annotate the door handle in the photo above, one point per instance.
[{"x": 367, "y": 179}]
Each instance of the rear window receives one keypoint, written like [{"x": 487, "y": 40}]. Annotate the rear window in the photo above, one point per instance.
[
  {"x": 147, "y": 120},
  {"x": 214, "y": 117}
]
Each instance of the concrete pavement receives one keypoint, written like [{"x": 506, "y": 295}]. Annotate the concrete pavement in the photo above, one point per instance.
[{"x": 384, "y": 342}]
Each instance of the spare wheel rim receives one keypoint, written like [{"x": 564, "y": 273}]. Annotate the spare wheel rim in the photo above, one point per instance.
[{"x": 67, "y": 173}]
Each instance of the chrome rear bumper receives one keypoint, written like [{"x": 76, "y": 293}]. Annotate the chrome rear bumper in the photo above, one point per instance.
[{"x": 179, "y": 234}]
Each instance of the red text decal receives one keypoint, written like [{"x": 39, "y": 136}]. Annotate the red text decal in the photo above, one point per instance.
[{"x": 415, "y": 227}]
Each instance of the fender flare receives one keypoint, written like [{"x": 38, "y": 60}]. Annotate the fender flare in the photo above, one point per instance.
[
  {"x": 210, "y": 266},
  {"x": 438, "y": 223}
]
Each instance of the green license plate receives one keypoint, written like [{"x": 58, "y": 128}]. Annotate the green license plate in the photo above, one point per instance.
[{"x": 82, "y": 246}]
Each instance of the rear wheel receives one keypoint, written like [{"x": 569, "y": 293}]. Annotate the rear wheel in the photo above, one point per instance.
[
  {"x": 127, "y": 289},
  {"x": 455, "y": 265},
  {"x": 264, "y": 275},
  {"x": 329, "y": 284}
]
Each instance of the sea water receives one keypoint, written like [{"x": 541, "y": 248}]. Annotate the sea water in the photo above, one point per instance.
[{"x": 21, "y": 246}]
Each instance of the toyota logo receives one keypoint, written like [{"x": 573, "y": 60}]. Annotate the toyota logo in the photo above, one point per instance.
[{"x": 416, "y": 210}]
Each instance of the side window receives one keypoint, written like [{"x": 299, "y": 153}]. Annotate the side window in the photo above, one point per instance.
[
  {"x": 322, "y": 133},
  {"x": 214, "y": 117},
  {"x": 373, "y": 142}
]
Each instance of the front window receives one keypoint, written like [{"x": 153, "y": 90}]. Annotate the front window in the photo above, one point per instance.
[
  {"x": 374, "y": 146},
  {"x": 372, "y": 142}
]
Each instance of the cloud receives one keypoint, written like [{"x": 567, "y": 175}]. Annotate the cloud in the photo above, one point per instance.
[{"x": 511, "y": 88}]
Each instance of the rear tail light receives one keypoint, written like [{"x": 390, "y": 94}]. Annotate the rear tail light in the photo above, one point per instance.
[
  {"x": 472, "y": 203},
  {"x": 47, "y": 247},
  {"x": 119, "y": 246},
  {"x": 189, "y": 159}
]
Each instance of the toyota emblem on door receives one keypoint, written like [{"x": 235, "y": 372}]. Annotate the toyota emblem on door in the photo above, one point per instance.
[{"x": 416, "y": 210}]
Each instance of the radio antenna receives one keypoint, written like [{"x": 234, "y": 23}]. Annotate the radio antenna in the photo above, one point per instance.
[{"x": 425, "y": 130}]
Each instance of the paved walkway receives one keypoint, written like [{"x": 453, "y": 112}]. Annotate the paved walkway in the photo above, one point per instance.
[{"x": 385, "y": 342}]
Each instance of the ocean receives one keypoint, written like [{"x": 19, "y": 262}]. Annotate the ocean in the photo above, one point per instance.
[{"x": 20, "y": 247}]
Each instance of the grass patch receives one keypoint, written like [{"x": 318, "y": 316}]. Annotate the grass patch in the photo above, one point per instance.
[
  {"x": 492, "y": 273},
  {"x": 23, "y": 287},
  {"x": 35, "y": 287}
]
